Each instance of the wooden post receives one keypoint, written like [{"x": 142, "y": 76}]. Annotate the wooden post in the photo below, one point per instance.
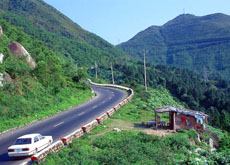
[
  {"x": 174, "y": 120},
  {"x": 156, "y": 120},
  {"x": 170, "y": 121}
]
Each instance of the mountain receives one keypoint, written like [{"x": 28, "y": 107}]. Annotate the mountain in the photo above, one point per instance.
[
  {"x": 34, "y": 81},
  {"x": 60, "y": 34},
  {"x": 201, "y": 44}
]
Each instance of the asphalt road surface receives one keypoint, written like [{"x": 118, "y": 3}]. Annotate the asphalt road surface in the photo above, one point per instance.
[{"x": 64, "y": 123}]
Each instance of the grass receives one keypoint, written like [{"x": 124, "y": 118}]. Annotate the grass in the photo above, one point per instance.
[
  {"x": 132, "y": 145},
  {"x": 136, "y": 145},
  {"x": 78, "y": 96}
]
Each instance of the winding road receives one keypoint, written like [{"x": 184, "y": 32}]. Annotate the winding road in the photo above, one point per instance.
[{"x": 64, "y": 123}]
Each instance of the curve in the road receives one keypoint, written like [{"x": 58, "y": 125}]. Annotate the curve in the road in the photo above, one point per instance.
[{"x": 62, "y": 124}]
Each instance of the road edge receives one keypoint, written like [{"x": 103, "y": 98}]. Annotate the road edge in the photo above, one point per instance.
[{"x": 55, "y": 147}]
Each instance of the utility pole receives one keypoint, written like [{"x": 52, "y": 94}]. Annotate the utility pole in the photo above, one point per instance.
[
  {"x": 96, "y": 69},
  {"x": 205, "y": 73},
  {"x": 112, "y": 72},
  {"x": 76, "y": 70},
  {"x": 145, "y": 71}
]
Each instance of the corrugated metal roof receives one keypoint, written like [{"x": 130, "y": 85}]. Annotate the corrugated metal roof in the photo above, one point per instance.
[{"x": 180, "y": 110}]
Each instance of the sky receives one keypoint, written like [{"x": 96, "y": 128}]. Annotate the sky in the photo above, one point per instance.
[{"x": 117, "y": 21}]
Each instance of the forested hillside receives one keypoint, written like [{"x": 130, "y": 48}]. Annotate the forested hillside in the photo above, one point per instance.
[
  {"x": 201, "y": 44},
  {"x": 31, "y": 93},
  {"x": 56, "y": 43},
  {"x": 58, "y": 32},
  {"x": 211, "y": 97}
]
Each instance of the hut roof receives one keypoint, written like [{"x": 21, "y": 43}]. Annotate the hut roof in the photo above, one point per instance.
[{"x": 180, "y": 110}]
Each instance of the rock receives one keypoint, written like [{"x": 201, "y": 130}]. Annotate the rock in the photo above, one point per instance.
[
  {"x": 8, "y": 77},
  {"x": 198, "y": 137},
  {"x": 197, "y": 159},
  {"x": 1, "y": 58},
  {"x": 192, "y": 143},
  {"x": 4, "y": 77},
  {"x": 1, "y": 79},
  {"x": 213, "y": 150},
  {"x": 117, "y": 129},
  {"x": 210, "y": 143},
  {"x": 198, "y": 149},
  {"x": 18, "y": 50},
  {"x": 1, "y": 31},
  {"x": 95, "y": 148}
]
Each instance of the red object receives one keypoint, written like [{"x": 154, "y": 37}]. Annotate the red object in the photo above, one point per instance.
[
  {"x": 84, "y": 128},
  {"x": 183, "y": 119},
  {"x": 34, "y": 158},
  {"x": 25, "y": 149},
  {"x": 63, "y": 139},
  {"x": 119, "y": 104},
  {"x": 97, "y": 119},
  {"x": 107, "y": 113},
  {"x": 10, "y": 150},
  {"x": 114, "y": 108},
  {"x": 198, "y": 127}
]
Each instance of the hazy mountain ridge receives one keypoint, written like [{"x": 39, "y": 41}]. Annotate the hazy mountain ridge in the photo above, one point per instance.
[{"x": 187, "y": 41}]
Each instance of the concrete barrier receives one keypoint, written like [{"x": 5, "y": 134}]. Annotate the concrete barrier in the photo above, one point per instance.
[
  {"x": 69, "y": 138},
  {"x": 90, "y": 126},
  {"x": 55, "y": 147},
  {"x": 111, "y": 112},
  {"x": 103, "y": 118}
]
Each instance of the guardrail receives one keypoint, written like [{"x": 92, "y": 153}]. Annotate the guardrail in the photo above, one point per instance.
[{"x": 55, "y": 147}]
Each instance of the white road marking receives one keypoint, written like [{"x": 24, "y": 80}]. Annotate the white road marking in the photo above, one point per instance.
[
  {"x": 103, "y": 102},
  {"x": 95, "y": 107},
  {"x": 81, "y": 114},
  {"x": 58, "y": 124}
]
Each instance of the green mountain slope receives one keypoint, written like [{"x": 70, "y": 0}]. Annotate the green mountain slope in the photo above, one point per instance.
[
  {"x": 197, "y": 43},
  {"x": 58, "y": 32},
  {"x": 32, "y": 93}
]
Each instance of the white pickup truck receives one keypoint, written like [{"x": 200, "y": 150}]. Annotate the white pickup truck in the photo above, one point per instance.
[{"x": 28, "y": 145}]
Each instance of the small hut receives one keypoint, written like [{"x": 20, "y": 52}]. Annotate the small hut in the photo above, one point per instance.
[{"x": 180, "y": 118}]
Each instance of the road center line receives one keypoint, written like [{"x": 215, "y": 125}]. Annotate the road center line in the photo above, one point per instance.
[
  {"x": 81, "y": 114},
  {"x": 58, "y": 124},
  {"x": 95, "y": 107}
]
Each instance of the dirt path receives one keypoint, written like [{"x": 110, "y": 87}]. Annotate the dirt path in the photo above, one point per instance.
[{"x": 129, "y": 125}]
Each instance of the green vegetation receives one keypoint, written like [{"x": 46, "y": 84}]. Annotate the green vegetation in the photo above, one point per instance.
[
  {"x": 33, "y": 94},
  {"x": 211, "y": 97},
  {"x": 58, "y": 32},
  {"x": 123, "y": 148},
  {"x": 200, "y": 44},
  {"x": 132, "y": 145},
  {"x": 56, "y": 43}
]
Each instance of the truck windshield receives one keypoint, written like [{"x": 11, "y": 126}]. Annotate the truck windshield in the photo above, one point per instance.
[{"x": 23, "y": 141}]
